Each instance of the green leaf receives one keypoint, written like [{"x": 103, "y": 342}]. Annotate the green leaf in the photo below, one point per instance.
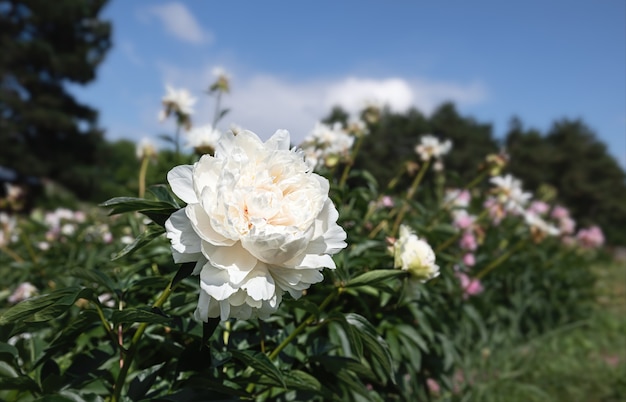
[
  {"x": 132, "y": 315},
  {"x": 7, "y": 352},
  {"x": 262, "y": 364},
  {"x": 374, "y": 342},
  {"x": 296, "y": 379},
  {"x": 21, "y": 383},
  {"x": 141, "y": 384},
  {"x": 376, "y": 276},
  {"x": 162, "y": 193},
  {"x": 151, "y": 232},
  {"x": 95, "y": 276},
  {"x": 338, "y": 364},
  {"x": 121, "y": 205},
  {"x": 46, "y": 307},
  {"x": 185, "y": 271}
]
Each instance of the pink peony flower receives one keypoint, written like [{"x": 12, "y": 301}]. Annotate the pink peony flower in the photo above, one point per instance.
[
  {"x": 538, "y": 207},
  {"x": 387, "y": 202},
  {"x": 469, "y": 260},
  {"x": 559, "y": 212},
  {"x": 591, "y": 237},
  {"x": 433, "y": 386},
  {"x": 470, "y": 286},
  {"x": 468, "y": 241}
]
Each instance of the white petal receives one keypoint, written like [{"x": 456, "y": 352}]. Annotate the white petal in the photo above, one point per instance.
[
  {"x": 201, "y": 223},
  {"x": 180, "y": 179},
  {"x": 184, "y": 240},
  {"x": 280, "y": 140},
  {"x": 234, "y": 259},
  {"x": 215, "y": 282},
  {"x": 259, "y": 283}
]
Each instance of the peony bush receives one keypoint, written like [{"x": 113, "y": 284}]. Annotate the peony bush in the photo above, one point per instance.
[{"x": 264, "y": 271}]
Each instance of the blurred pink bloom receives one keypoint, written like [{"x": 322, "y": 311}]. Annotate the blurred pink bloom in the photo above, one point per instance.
[
  {"x": 433, "y": 386},
  {"x": 560, "y": 212},
  {"x": 470, "y": 286},
  {"x": 496, "y": 211},
  {"x": 567, "y": 225},
  {"x": 538, "y": 207},
  {"x": 468, "y": 241},
  {"x": 24, "y": 291},
  {"x": 387, "y": 201},
  {"x": 107, "y": 237},
  {"x": 469, "y": 260},
  {"x": 591, "y": 237},
  {"x": 463, "y": 220}
]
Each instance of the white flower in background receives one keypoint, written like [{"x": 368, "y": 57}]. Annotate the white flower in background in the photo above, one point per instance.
[
  {"x": 430, "y": 147},
  {"x": 457, "y": 198},
  {"x": 145, "y": 149},
  {"x": 235, "y": 129},
  {"x": 509, "y": 193},
  {"x": 258, "y": 222},
  {"x": 222, "y": 80},
  {"x": 180, "y": 103},
  {"x": 203, "y": 139},
  {"x": 414, "y": 255},
  {"x": 331, "y": 143},
  {"x": 539, "y": 228},
  {"x": 357, "y": 127},
  {"x": 8, "y": 225},
  {"x": 24, "y": 291}
]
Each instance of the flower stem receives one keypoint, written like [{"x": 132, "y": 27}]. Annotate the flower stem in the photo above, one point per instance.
[
  {"x": 346, "y": 169},
  {"x": 495, "y": 263},
  {"x": 216, "y": 113},
  {"x": 142, "y": 175},
  {"x": 134, "y": 344},
  {"x": 176, "y": 143},
  {"x": 409, "y": 196},
  {"x": 29, "y": 247},
  {"x": 12, "y": 254},
  {"x": 296, "y": 332}
]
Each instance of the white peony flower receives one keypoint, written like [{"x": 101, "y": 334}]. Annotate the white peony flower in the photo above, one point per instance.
[
  {"x": 539, "y": 228},
  {"x": 24, "y": 291},
  {"x": 414, "y": 255},
  {"x": 180, "y": 103},
  {"x": 203, "y": 138},
  {"x": 430, "y": 147},
  {"x": 509, "y": 193},
  {"x": 330, "y": 143},
  {"x": 258, "y": 222},
  {"x": 145, "y": 149}
]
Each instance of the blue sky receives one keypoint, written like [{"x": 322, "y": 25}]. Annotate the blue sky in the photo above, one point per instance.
[{"x": 290, "y": 61}]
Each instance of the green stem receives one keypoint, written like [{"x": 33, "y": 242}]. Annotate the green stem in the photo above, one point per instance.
[
  {"x": 295, "y": 333},
  {"x": 495, "y": 263},
  {"x": 134, "y": 343},
  {"x": 176, "y": 144},
  {"x": 142, "y": 175},
  {"x": 409, "y": 195},
  {"x": 12, "y": 254},
  {"x": 346, "y": 169},
  {"x": 29, "y": 247},
  {"x": 106, "y": 325},
  {"x": 216, "y": 113}
]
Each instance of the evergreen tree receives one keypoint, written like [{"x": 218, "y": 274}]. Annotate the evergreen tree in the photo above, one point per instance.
[{"x": 44, "y": 131}]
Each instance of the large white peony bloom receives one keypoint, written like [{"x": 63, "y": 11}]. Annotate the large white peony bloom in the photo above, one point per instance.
[
  {"x": 509, "y": 193},
  {"x": 414, "y": 255},
  {"x": 258, "y": 222}
]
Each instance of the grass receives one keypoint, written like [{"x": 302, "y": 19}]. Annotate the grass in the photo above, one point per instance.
[{"x": 581, "y": 362}]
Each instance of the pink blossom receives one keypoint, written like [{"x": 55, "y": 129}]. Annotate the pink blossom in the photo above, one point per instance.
[
  {"x": 567, "y": 225},
  {"x": 463, "y": 220},
  {"x": 470, "y": 286},
  {"x": 538, "y": 207},
  {"x": 387, "y": 201},
  {"x": 495, "y": 209},
  {"x": 560, "y": 212},
  {"x": 468, "y": 241},
  {"x": 433, "y": 386},
  {"x": 469, "y": 260},
  {"x": 591, "y": 237}
]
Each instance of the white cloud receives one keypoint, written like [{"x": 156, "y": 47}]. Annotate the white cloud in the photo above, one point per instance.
[
  {"x": 129, "y": 50},
  {"x": 265, "y": 103},
  {"x": 179, "y": 22}
]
